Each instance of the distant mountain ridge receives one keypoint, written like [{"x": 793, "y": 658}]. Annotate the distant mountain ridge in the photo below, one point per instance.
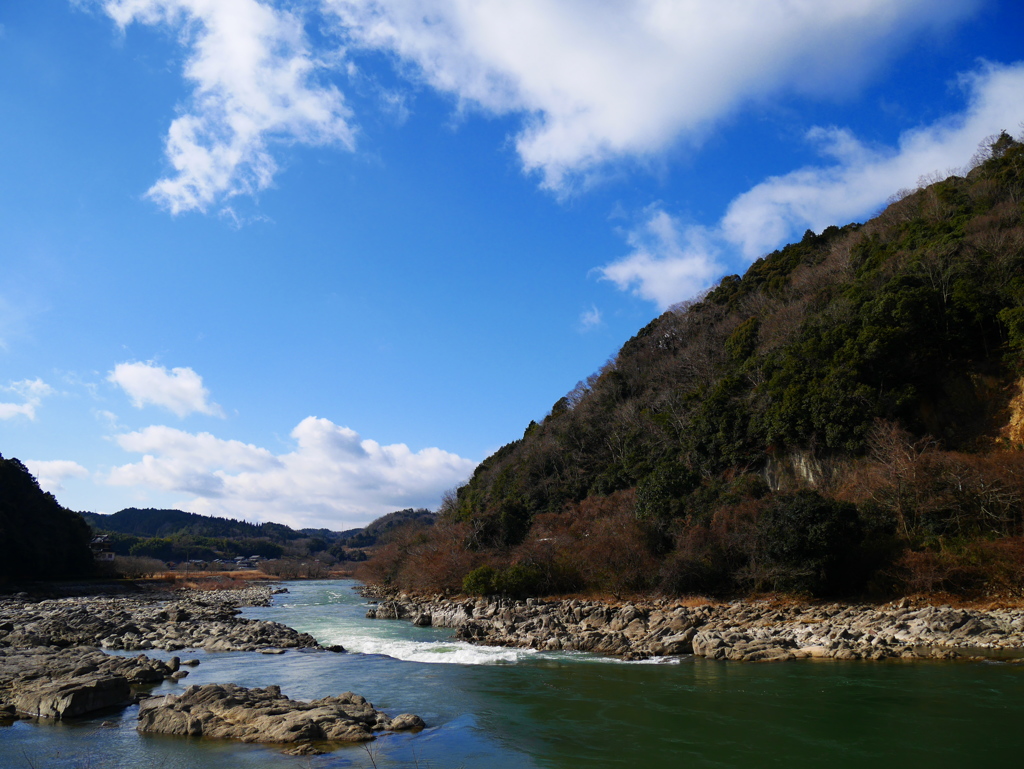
[{"x": 151, "y": 522}]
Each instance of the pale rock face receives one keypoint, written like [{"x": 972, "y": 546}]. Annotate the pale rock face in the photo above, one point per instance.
[
  {"x": 1013, "y": 431},
  {"x": 73, "y": 698},
  {"x": 52, "y": 683},
  {"x": 227, "y": 711}
]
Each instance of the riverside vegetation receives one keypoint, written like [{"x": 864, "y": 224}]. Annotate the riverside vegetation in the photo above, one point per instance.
[{"x": 845, "y": 419}]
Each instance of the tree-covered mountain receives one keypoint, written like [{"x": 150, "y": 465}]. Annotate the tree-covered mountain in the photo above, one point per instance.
[
  {"x": 174, "y": 535},
  {"x": 164, "y": 523},
  {"x": 39, "y": 538},
  {"x": 380, "y": 528},
  {"x": 843, "y": 414}
]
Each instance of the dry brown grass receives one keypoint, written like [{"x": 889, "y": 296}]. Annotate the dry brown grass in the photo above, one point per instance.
[{"x": 214, "y": 580}]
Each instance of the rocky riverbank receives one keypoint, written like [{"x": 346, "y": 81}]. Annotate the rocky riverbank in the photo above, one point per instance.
[
  {"x": 51, "y": 659},
  {"x": 182, "y": 620},
  {"x": 52, "y": 666},
  {"x": 740, "y": 630}
]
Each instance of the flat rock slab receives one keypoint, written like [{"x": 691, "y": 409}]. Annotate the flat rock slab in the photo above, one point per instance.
[
  {"x": 227, "y": 711},
  {"x": 73, "y": 697},
  {"x": 52, "y": 683},
  {"x": 190, "y": 619}
]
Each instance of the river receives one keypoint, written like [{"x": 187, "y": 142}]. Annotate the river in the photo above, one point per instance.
[{"x": 490, "y": 707}]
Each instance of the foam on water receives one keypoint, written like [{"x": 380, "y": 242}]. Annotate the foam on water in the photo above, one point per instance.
[
  {"x": 334, "y": 616},
  {"x": 450, "y": 652}
]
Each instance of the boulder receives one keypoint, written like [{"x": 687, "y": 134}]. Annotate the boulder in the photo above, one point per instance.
[
  {"x": 73, "y": 697},
  {"x": 59, "y": 683},
  {"x": 227, "y": 711}
]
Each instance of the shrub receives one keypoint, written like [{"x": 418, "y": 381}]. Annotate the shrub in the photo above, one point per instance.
[
  {"x": 294, "y": 568},
  {"x": 480, "y": 581},
  {"x": 137, "y": 567},
  {"x": 518, "y": 580},
  {"x": 807, "y": 543}
]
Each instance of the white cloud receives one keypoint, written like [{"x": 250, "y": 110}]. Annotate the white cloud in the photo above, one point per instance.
[
  {"x": 108, "y": 418},
  {"x": 253, "y": 76},
  {"x": 590, "y": 318},
  {"x": 671, "y": 262},
  {"x": 175, "y": 460},
  {"x": 179, "y": 390},
  {"x": 600, "y": 82},
  {"x": 52, "y": 473},
  {"x": 31, "y": 392},
  {"x": 862, "y": 177},
  {"x": 333, "y": 478}
]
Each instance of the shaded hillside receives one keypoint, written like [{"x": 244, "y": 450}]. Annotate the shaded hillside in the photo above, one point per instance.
[
  {"x": 907, "y": 318},
  {"x": 176, "y": 535},
  {"x": 381, "y": 527},
  {"x": 41, "y": 539},
  {"x": 165, "y": 523},
  {"x": 736, "y": 438}
]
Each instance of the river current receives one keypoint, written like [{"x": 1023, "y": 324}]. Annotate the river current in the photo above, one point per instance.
[{"x": 492, "y": 707}]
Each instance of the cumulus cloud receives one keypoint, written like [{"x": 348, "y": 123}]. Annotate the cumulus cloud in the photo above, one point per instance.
[
  {"x": 332, "y": 478},
  {"x": 670, "y": 261},
  {"x": 599, "y": 82},
  {"x": 174, "y": 460},
  {"x": 253, "y": 75},
  {"x": 51, "y": 474},
  {"x": 593, "y": 83},
  {"x": 31, "y": 393},
  {"x": 179, "y": 390}
]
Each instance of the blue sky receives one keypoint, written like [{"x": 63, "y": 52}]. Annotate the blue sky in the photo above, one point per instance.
[{"x": 311, "y": 260}]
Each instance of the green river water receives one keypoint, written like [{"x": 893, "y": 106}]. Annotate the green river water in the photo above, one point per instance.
[{"x": 501, "y": 708}]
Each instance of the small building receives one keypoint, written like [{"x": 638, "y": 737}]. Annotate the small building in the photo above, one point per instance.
[{"x": 101, "y": 550}]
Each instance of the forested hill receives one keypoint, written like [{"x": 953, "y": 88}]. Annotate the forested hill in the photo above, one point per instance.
[
  {"x": 177, "y": 523},
  {"x": 175, "y": 535},
  {"x": 804, "y": 376},
  {"x": 40, "y": 539},
  {"x": 165, "y": 523}
]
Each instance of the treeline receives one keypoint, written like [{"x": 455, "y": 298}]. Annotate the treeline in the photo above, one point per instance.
[
  {"x": 182, "y": 546},
  {"x": 44, "y": 541},
  {"x": 151, "y": 522},
  {"x": 177, "y": 536},
  {"x": 382, "y": 527},
  {"x": 40, "y": 539},
  {"x": 838, "y": 419}
]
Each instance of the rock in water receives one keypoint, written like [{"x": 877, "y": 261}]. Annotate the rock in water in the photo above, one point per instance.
[
  {"x": 227, "y": 711},
  {"x": 74, "y": 697},
  {"x": 57, "y": 683}
]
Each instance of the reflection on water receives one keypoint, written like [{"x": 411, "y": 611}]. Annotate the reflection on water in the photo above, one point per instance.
[{"x": 491, "y": 707}]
